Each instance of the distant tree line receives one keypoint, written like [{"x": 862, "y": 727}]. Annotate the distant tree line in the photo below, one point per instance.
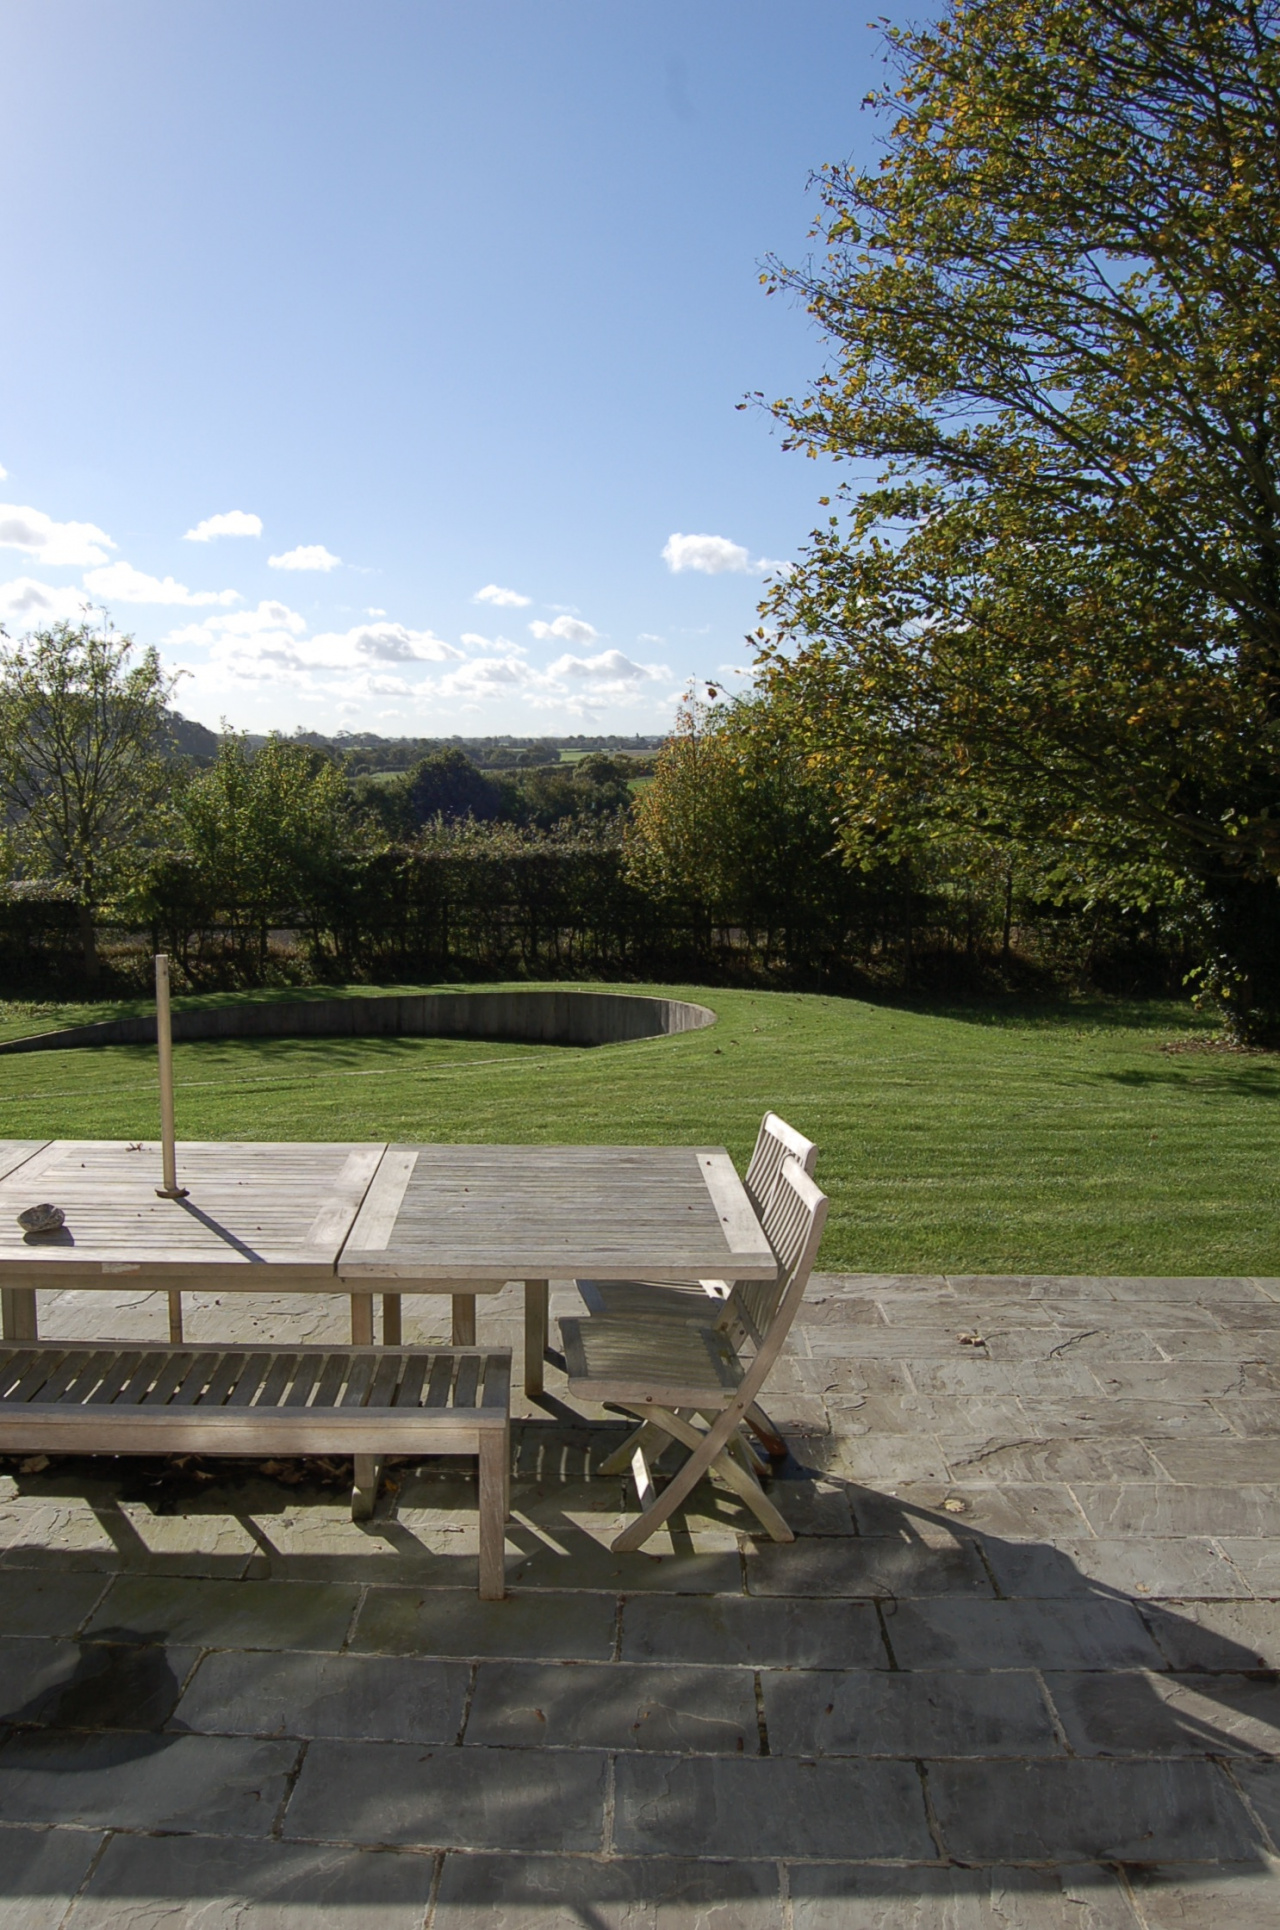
[{"x": 723, "y": 858}]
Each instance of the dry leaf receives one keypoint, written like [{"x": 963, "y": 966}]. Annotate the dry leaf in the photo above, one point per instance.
[
  {"x": 34, "y": 1464},
  {"x": 972, "y": 1340},
  {"x": 954, "y": 1505}
]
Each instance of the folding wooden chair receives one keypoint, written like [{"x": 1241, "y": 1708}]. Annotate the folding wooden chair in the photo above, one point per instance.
[
  {"x": 674, "y": 1374},
  {"x": 649, "y": 1299}
]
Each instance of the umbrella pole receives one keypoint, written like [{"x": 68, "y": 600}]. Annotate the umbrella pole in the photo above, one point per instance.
[{"x": 164, "y": 1043}]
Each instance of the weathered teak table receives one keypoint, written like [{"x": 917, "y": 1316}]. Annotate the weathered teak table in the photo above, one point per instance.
[
  {"x": 256, "y": 1219},
  {"x": 464, "y": 1220}
]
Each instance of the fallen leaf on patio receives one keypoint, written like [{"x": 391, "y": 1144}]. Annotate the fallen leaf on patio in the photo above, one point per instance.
[
  {"x": 954, "y": 1505},
  {"x": 34, "y": 1464},
  {"x": 972, "y": 1340}
]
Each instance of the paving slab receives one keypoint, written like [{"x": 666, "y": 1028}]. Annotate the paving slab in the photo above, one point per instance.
[
  {"x": 204, "y": 1883},
  {"x": 380, "y": 1698},
  {"x": 1073, "y": 1811},
  {"x": 1087, "y": 1633},
  {"x": 1243, "y": 1896},
  {"x": 616, "y": 1893},
  {"x": 227, "y": 1614},
  {"x": 613, "y": 1705},
  {"x": 1164, "y": 1508},
  {"x": 450, "y": 1798},
  {"x": 48, "y": 1604},
  {"x": 828, "y": 1896},
  {"x": 880, "y": 1567},
  {"x": 1138, "y": 1714},
  {"x": 775, "y": 1806},
  {"x": 929, "y": 1713},
  {"x": 96, "y": 1684},
  {"x": 1217, "y": 1636},
  {"x": 40, "y": 1869},
  {"x": 451, "y": 1621},
  {"x": 1146, "y": 1567},
  {"x": 134, "y": 1781},
  {"x": 760, "y": 1632}
]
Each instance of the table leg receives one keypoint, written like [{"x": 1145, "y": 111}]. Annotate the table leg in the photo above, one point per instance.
[
  {"x": 175, "y": 1314},
  {"x": 392, "y": 1329},
  {"x": 18, "y": 1313},
  {"x": 364, "y": 1491},
  {"x": 362, "y": 1320},
  {"x": 464, "y": 1320},
  {"x": 535, "y": 1333}
]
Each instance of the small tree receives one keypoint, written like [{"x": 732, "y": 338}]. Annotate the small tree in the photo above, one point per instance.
[{"x": 83, "y": 770}]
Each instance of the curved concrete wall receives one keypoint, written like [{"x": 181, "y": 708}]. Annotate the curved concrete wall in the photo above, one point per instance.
[{"x": 538, "y": 1018}]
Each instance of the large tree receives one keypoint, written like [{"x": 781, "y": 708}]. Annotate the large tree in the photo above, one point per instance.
[
  {"x": 84, "y": 746},
  {"x": 1054, "y": 311}
]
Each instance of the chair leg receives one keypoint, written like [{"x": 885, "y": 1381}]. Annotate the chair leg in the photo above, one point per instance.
[
  {"x": 766, "y": 1433},
  {"x": 364, "y": 1488},
  {"x": 494, "y": 1458},
  {"x": 707, "y": 1453},
  {"x": 620, "y": 1460}
]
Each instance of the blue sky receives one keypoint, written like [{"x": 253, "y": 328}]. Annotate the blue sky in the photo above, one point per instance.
[{"x": 379, "y": 360}]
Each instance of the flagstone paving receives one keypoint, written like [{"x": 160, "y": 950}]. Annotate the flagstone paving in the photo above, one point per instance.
[{"x": 1020, "y": 1669}]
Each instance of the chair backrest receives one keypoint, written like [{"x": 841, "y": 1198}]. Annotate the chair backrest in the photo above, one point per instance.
[
  {"x": 795, "y": 1216},
  {"x": 775, "y": 1142}
]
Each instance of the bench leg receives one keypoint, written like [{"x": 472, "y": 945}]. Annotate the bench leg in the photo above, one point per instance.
[
  {"x": 494, "y": 1457},
  {"x": 535, "y": 1333},
  {"x": 392, "y": 1330},
  {"x": 18, "y": 1313},
  {"x": 362, "y": 1320},
  {"x": 464, "y": 1320},
  {"x": 364, "y": 1491}
]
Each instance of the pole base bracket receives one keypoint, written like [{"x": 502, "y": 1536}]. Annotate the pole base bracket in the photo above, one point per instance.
[{"x": 172, "y": 1192}]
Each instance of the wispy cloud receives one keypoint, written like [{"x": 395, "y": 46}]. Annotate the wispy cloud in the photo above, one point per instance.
[
  {"x": 4, "y": 473},
  {"x": 38, "y": 535},
  {"x": 123, "y": 584},
  {"x": 307, "y": 556},
  {"x": 232, "y": 522},
  {"x": 500, "y": 598},
  {"x": 716, "y": 556},
  {"x": 566, "y": 629},
  {"x": 270, "y": 645}
]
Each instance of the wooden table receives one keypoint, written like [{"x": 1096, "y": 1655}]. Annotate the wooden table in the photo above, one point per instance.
[
  {"x": 466, "y": 1219},
  {"x": 257, "y": 1218}
]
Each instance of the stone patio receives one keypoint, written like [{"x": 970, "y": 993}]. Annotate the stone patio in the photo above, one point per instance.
[{"x": 1020, "y": 1669}]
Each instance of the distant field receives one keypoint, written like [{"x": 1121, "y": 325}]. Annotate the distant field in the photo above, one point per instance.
[{"x": 1061, "y": 1141}]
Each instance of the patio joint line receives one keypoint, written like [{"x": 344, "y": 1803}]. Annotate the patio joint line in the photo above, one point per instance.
[
  {"x": 276, "y": 1831},
  {"x": 608, "y": 1816},
  {"x": 1226, "y": 1767},
  {"x": 762, "y": 1726},
  {"x": 930, "y": 1815},
  {"x": 472, "y": 1673},
  {"x": 88, "y": 1876}
]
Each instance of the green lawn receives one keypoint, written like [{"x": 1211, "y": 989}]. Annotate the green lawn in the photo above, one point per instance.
[{"x": 1063, "y": 1141}]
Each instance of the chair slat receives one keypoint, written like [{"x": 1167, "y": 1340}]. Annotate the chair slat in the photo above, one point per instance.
[
  {"x": 184, "y": 1386},
  {"x": 282, "y": 1366},
  {"x": 39, "y": 1371},
  {"x": 497, "y": 1380},
  {"x": 121, "y": 1369},
  {"x": 142, "y": 1377},
  {"x": 439, "y": 1382},
  {"x": 390, "y": 1361},
  {"x": 303, "y": 1381}
]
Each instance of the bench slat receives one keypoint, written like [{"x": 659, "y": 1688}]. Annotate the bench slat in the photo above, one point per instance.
[
  {"x": 178, "y": 1384},
  {"x": 359, "y": 1380},
  {"x": 467, "y": 1382},
  {"x": 410, "y": 1388},
  {"x": 439, "y": 1382},
  {"x": 142, "y": 1377},
  {"x": 308, "y": 1367},
  {"x": 382, "y": 1393},
  {"x": 121, "y": 1369},
  {"x": 249, "y": 1382},
  {"x": 40, "y": 1370},
  {"x": 221, "y": 1381},
  {"x": 282, "y": 1366},
  {"x": 335, "y": 1369}
]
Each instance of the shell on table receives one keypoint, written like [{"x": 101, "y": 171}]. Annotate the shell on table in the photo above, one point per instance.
[{"x": 45, "y": 1218}]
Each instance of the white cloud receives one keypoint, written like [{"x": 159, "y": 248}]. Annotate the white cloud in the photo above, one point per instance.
[
  {"x": 609, "y": 667},
  {"x": 567, "y": 629},
  {"x": 307, "y": 556},
  {"x": 491, "y": 646},
  {"x": 232, "y": 522},
  {"x": 123, "y": 584},
  {"x": 487, "y": 677},
  {"x": 3, "y": 473},
  {"x": 30, "y": 530},
  {"x": 375, "y": 613},
  {"x": 32, "y": 604},
  {"x": 379, "y": 643},
  {"x": 270, "y": 645},
  {"x": 712, "y": 555},
  {"x": 502, "y": 599},
  {"x": 717, "y": 556}
]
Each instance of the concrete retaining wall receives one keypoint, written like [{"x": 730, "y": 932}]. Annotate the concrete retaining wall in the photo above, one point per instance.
[{"x": 537, "y": 1018}]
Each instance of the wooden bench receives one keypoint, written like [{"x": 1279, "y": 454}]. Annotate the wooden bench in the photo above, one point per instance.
[{"x": 365, "y": 1402}]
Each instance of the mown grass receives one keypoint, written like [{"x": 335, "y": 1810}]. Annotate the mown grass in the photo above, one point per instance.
[{"x": 1062, "y": 1140}]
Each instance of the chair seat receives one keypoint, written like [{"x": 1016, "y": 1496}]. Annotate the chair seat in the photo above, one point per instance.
[
  {"x": 670, "y": 1363},
  {"x": 624, "y": 1299}
]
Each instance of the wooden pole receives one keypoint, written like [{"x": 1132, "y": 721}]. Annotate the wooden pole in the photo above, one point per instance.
[{"x": 164, "y": 1042}]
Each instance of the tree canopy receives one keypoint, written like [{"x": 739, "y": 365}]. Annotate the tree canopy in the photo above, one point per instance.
[
  {"x": 84, "y": 737},
  {"x": 1054, "y": 316}
]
